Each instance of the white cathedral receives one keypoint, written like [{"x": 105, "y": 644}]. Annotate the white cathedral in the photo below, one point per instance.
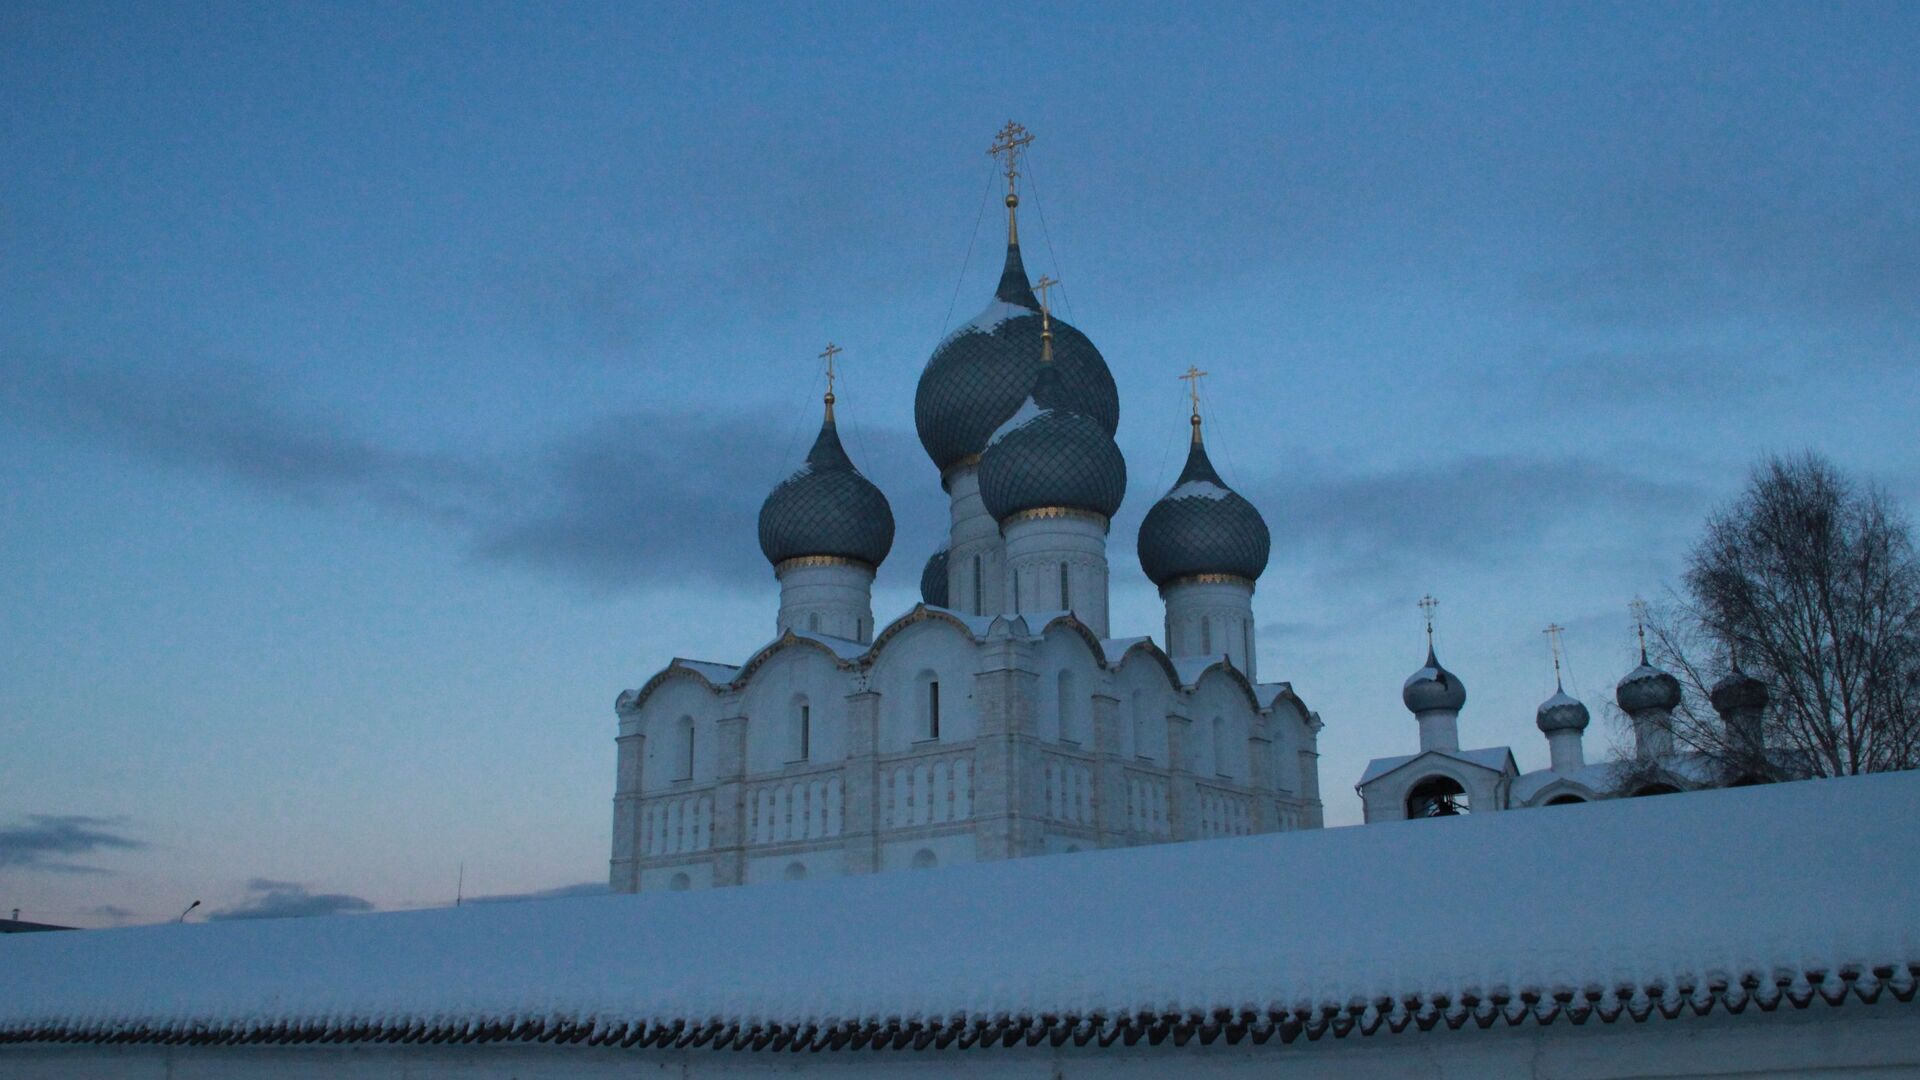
[{"x": 1001, "y": 717}]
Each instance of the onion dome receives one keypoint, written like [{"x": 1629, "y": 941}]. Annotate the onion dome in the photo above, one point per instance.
[
  {"x": 826, "y": 508},
  {"x": 979, "y": 375},
  {"x": 1049, "y": 455},
  {"x": 1737, "y": 691},
  {"x": 1202, "y": 526},
  {"x": 1433, "y": 688},
  {"x": 933, "y": 580},
  {"x": 1561, "y": 712},
  {"x": 1646, "y": 688}
]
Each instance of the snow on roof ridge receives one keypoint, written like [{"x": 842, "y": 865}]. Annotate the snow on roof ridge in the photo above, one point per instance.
[{"x": 819, "y": 959}]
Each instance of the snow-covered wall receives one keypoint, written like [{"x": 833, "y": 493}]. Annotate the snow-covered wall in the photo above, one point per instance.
[{"x": 1632, "y": 915}]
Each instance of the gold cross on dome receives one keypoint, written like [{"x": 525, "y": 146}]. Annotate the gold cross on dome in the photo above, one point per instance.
[
  {"x": 1553, "y": 632},
  {"x": 1007, "y": 144},
  {"x": 831, "y": 352},
  {"x": 1427, "y": 604},
  {"x": 1042, "y": 286},
  {"x": 1192, "y": 379}
]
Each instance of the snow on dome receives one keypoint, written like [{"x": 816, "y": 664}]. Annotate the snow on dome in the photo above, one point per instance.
[
  {"x": 1202, "y": 526},
  {"x": 979, "y": 374},
  {"x": 1055, "y": 457},
  {"x": 1433, "y": 688},
  {"x": 819, "y": 959},
  {"x": 826, "y": 508},
  {"x": 1561, "y": 712},
  {"x": 1647, "y": 687}
]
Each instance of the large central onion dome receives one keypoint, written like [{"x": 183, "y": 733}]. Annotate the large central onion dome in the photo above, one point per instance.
[
  {"x": 981, "y": 373},
  {"x": 1050, "y": 456},
  {"x": 1202, "y": 526},
  {"x": 1433, "y": 688},
  {"x": 826, "y": 508}
]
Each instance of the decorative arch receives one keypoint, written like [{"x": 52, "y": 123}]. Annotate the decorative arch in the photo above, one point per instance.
[
  {"x": 633, "y": 700},
  {"x": 1565, "y": 799},
  {"x": 785, "y": 641},
  {"x": 925, "y": 859},
  {"x": 1437, "y": 795},
  {"x": 921, "y": 613}
]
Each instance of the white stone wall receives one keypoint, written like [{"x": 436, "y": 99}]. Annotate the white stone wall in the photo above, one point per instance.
[{"x": 1212, "y": 618}]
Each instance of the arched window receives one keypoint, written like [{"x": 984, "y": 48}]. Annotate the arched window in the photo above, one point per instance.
[
  {"x": 685, "y": 762},
  {"x": 796, "y": 871},
  {"x": 1656, "y": 789},
  {"x": 680, "y": 883},
  {"x": 925, "y": 859},
  {"x": 1437, "y": 796},
  {"x": 1069, "y": 705},
  {"x": 1066, "y": 592},
  {"x": 927, "y": 685},
  {"x": 1206, "y": 636},
  {"x": 1565, "y": 800},
  {"x": 801, "y": 745},
  {"x": 1220, "y": 758}
]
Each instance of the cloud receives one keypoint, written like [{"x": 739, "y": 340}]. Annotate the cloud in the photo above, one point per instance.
[
  {"x": 289, "y": 900},
  {"x": 38, "y": 844},
  {"x": 585, "y": 888},
  {"x": 1475, "y": 511},
  {"x": 633, "y": 499},
  {"x": 113, "y": 911}
]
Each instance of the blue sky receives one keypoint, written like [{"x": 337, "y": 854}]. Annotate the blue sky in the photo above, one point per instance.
[{"x": 381, "y": 391}]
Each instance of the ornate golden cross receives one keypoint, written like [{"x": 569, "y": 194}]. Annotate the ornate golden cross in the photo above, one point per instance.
[
  {"x": 1639, "y": 609},
  {"x": 1042, "y": 286},
  {"x": 1007, "y": 144},
  {"x": 1192, "y": 379},
  {"x": 1427, "y": 604}
]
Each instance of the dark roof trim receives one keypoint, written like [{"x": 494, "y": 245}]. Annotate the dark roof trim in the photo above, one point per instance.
[{"x": 1634, "y": 1002}]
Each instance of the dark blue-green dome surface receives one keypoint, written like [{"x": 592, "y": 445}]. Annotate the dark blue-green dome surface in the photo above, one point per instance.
[
  {"x": 1048, "y": 455},
  {"x": 933, "y": 580},
  {"x": 1202, "y": 526},
  {"x": 826, "y": 508},
  {"x": 981, "y": 373}
]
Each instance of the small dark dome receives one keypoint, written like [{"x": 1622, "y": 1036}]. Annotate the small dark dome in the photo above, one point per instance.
[
  {"x": 1647, "y": 687},
  {"x": 1202, "y": 526},
  {"x": 1738, "y": 690},
  {"x": 1561, "y": 713},
  {"x": 981, "y": 373},
  {"x": 933, "y": 580},
  {"x": 1433, "y": 687},
  {"x": 826, "y": 508},
  {"x": 1048, "y": 455}
]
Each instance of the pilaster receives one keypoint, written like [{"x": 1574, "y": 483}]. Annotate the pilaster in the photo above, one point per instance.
[
  {"x": 624, "y": 872},
  {"x": 729, "y": 827},
  {"x": 1109, "y": 771},
  {"x": 861, "y": 783},
  {"x": 1004, "y": 688},
  {"x": 1183, "y": 795}
]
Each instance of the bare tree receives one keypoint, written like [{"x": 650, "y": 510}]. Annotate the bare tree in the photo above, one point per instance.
[{"x": 1807, "y": 582}]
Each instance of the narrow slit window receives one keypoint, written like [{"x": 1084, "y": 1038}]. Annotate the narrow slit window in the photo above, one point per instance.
[
  {"x": 1206, "y": 636},
  {"x": 806, "y": 732},
  {"x": 977, "y": 600},
  {"x": 933, "y": 709},
  {"x": 1066, "y": 592},
  {"x": 686, "y": 749},
  {"x": 1246, "y": 646}
]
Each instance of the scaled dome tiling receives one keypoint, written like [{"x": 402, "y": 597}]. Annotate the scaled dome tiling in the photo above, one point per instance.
[
  {"x": 1433, "y": 687},
  {"x": 1738, "y": 690},
  {"x": 933, "y": 580},
  {"x": 1561, "y": 712},
  {"x": 1647, "y": 687},
  {"x": 1202, "y": 526},
  {"x": 979, "y": 375},
  {"x": 826, "y": 508},
  {"x": 1047, "y": 455}
]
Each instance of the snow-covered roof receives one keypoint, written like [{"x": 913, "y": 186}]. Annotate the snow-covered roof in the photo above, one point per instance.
[
  {"x": 1492, "y": 757},
  {"x": 715, "y": 673},
  {"x": 1598, "y": 777},
  {"x": 1269, "y": 692},
  {"x": 1190, "y": 668},
  {"x": 1813, "y": 889},
  {"x": 1114, "y": 650}
]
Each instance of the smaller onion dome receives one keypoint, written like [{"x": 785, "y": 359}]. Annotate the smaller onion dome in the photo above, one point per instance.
[
  {"x": 1202, "y": 526},
  {"x": 826, "y": 508},
  {"x": 933, "y": 580},
  {"x": 1048, "y": 455},
  {"x": 1433, "y": 688},
  {"x": 1561, "y": 712},
  {"x": 1647, "y": 688},
  {"x": 1737, "y": 691}
]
